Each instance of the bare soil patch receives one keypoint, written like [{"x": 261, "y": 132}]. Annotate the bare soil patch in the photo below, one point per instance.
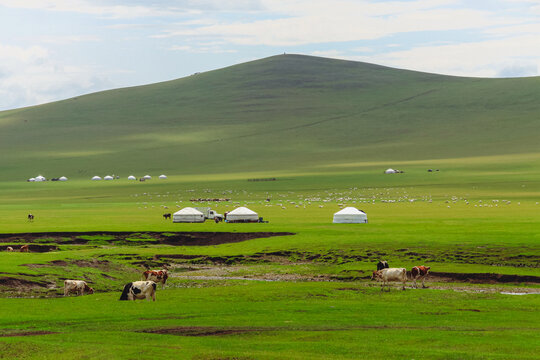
[
  {"x": 27, "y": 333},
  {"x": 481, "y": 278},
  {"x": 22, "y": 284},
  {"x": 201, "y": 331},
  {"x": 131, "y": 238}
]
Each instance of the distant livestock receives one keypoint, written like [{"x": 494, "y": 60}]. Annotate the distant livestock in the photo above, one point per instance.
[
  {"x": 382, "y": 264},
  {"x": 30, "y": 217},
  {"x": 167, "y": 216},
  {"x": 391, "y": 274},
  {"x": 139, "y": 290},
  {"x": 158, "y": 276},
  {"x": 78, "y": 287},
  {"x": 24, "y": 248},
  {"x": 419, "y": 272},
  {"x": 9, "y": 248}
]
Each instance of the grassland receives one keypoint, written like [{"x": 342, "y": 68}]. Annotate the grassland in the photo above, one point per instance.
[
  {"x": 284, "y": 113},
  {"x": 325, "y": 130}
]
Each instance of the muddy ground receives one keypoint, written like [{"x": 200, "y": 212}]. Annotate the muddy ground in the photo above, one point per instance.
[
  {"x": 224, "y": 268},
  {"x": 130, "y": 238}
]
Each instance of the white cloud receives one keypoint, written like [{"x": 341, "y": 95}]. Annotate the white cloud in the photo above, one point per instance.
[
  {"x": 321, "y": 21},
  {"x": 482, "y": 58},
  {"x": 30, "y": 76}
]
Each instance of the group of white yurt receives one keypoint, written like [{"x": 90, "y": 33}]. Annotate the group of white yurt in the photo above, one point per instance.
[
  {"x": 37, "y": 178},
  {"x": 350, "y": 215},
  {"x": 238, "y": 215},
  {"x": 43, "y": 178}
]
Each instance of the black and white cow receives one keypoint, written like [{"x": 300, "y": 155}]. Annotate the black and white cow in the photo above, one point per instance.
[{"x": 139, "y": 290}]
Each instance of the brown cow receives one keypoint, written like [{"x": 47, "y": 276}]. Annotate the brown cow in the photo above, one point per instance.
[
  {"x": 24, "y": 248},
  {"x": 158, "y": 276},
  {"x": 419, "y": 272}
]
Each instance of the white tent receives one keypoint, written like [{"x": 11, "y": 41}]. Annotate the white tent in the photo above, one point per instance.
[
  {"x": 63, "y": 178},
  {"x": 350, "y": 215},
  {"x": 163, "y": 177},
  {"x": 390, "y": 171},
  {"x": 188, "y": 215},
  {"x": 96, "y": 178},
  {"x": 108, "y": 177},
  {"x": 147, "y": 177},
  {"x": 242, "y": 214},
  {"x": 131, "y": 177},
  {"x": 32, "y": 179},
  {"x": 40, "y": 178}
]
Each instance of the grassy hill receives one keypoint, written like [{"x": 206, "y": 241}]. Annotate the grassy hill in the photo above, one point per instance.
[{"x": 282, "y": 113}]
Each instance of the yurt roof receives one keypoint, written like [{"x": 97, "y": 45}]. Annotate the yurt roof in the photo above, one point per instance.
[
  {"x": 188, "y": 211},
  {"x": 349, "y": 211},
  {"x": 242, "y": 211}
]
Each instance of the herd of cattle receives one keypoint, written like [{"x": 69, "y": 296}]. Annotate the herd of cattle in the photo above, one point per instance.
[
  {"x": 386, "y": 274},
  {"x": 144, "y": 289}
]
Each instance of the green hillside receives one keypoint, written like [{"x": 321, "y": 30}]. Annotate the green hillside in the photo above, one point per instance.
[{"x": 282, "y": 113}]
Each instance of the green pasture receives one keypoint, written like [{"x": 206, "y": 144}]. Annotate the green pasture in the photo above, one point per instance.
[{"x": 254, "y": 320}]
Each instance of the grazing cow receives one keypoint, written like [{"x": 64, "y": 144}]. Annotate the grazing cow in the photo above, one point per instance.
[
  {"x": 78, "y": 287},
  {"x": 390, "y": 274},
  {"x": 9, "y": 248},
  {"x": 382, "y": 264},
  {"x": 158, "y": 276},
  {"x": 24, "y": 248},
  {"x": 139, "y": 290},
  {"x": 419, "y": 272},
  {"x": 167, "y": 216},
  {"x": 30, "y": 217}
]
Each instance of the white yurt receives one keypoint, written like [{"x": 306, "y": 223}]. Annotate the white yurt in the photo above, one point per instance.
[
  {"x": 108, "y": 177},
  {"x": 96, "y": 178},
  {"x": 350, "y": 215},
  {"x": 242, "y": 214},
  {"x": 31, "y": 179},
  {"x": 147, "y": 177},
  {"x": 390, "y": 171},
  {"x": 131, "y": 177},
  {"x": 163, "y": 177},
  {"x": 40, "y": 178},
  {"x": 62, "y": 178},
  {"x": 188, "y": 215}
]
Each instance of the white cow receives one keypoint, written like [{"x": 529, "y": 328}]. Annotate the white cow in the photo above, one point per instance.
[
  {"x": 77, "y": 286},
  {"x": 390, "y": 274},
  {"x": 139, "y": 290}
]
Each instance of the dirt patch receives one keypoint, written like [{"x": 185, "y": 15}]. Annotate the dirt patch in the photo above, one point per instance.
[
  {"x": 201, "y": 331},
  {"x": 22, "y": 284},
  {"x": 133, "y": 238},
  {"x": 481, "y": 278},
  {"x": 27, "y": 333}
]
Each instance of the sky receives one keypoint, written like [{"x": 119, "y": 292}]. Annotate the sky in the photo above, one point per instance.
[{"x": 57, "y": 49}]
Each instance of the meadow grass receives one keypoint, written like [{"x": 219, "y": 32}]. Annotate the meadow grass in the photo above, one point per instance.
[{"x": 276, "y": 320}]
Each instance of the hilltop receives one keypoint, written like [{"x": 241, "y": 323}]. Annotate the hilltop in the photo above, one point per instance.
[{"x": 279, "y": 113}]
